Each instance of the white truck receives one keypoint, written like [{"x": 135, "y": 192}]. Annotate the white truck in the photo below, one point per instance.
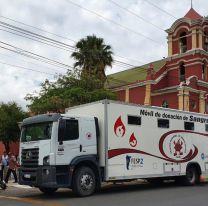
[{"x": 108, "y": 141}]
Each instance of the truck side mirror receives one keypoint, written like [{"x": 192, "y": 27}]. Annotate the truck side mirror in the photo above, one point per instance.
[{"x": 61, "y": 130}]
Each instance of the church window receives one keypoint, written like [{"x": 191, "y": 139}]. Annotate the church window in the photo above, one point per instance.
[
  {"x": 165, "y": 104},
  {"x": 193, "y": 104},
  {"x": 183, "y": 42},
  {"x": 182, "y": 72}
]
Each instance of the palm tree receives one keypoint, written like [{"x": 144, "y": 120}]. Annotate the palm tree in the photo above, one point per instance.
[{"x": 92, "y": 56}]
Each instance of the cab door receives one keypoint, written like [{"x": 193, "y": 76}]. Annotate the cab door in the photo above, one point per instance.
[
  {"x": 88, "y": 139},
  {"x": 68, "y": 142}
]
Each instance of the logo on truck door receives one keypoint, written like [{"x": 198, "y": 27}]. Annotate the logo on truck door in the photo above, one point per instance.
[{"x": 119, "y": 128}]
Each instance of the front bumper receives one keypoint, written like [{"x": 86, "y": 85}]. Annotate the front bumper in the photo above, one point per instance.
[{"x": 43, "y": 176}]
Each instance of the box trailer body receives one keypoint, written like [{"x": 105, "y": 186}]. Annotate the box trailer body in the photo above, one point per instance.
[{"x": 118, "y": 142}]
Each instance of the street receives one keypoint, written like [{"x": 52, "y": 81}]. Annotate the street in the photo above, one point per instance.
[{"x": 131, "y": 194}]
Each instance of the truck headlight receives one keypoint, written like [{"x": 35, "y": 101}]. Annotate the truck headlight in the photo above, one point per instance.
[{"x": 46, "y": 160}]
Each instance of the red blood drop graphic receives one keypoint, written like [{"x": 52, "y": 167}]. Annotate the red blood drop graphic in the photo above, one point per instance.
[
  {"x": 133, "y": 140},
  {"x": 119, "y": 128}
]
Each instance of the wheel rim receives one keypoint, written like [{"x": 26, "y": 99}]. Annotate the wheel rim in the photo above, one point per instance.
[
  {"x": 86, "y": 182},
  {"x": 190, "y": 176}
]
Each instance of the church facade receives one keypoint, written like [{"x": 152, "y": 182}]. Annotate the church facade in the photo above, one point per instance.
[{"x": 179, "y": 81}]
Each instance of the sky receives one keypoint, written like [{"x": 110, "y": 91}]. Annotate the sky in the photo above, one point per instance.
[{"x": 135, "y": 29}]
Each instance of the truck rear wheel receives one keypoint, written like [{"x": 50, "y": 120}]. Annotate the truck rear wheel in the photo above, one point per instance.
[
  {"x": 84, "y": 183},
  {"x": 47, "y": 191},
  {"x": 192, "y": 176}
]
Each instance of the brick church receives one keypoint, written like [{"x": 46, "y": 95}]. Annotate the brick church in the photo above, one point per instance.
[{"x": 179, "y": 81}]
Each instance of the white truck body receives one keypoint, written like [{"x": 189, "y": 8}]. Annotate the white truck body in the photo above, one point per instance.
[
  {"x": 150, "y": 150},
  {"x": 112, "y": 141}
]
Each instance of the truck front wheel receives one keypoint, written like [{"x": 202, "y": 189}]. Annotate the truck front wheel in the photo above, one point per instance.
[
  {"x": 47, "y": 191},
  {"x": 84, "y": 182}
]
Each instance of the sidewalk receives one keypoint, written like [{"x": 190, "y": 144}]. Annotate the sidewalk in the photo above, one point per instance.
[{"x": 11, "y": 184}]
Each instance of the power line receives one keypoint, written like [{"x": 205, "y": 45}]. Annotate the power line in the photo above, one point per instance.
[
  {"x": 129, "y": 59},
  {"x": 169, "y": 14},
  {"x": 49, "y": 68},
  {"x": 33, "y": 35},
  {"x": 12, "y": 65},
  {"x": 114, "y": 22},
  {"x": 44, "y": 59},
  {"x": 27, "y": 34},
  {"x": 29, "y": 56},
  {"x": 72, "y": 47},
  {"x": 121, "y": 64},
  {"x": 34, "y": 27},
  {"x": 34, "y": 39},
  {"x": 63, "y": 37},
  {"x": 136, "y": 15},
  {"x": 35, "y": 56},
  {"x": 131, "y": 65}
]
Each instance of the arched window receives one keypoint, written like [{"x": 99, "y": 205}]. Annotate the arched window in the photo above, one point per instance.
[
  {"x": 206, "y": 41},
  {"x": 182, "y": 72},
  {"x": 165, "y": 104},
  {"x": 193, "y": 104},
  {"x": 183, "y": 42}
]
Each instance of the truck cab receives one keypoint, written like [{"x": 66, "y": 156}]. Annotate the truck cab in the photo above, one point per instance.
[{"x": 53, "y": 146}]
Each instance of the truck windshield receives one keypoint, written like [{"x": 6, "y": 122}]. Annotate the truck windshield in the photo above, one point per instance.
[{"x": 36, "y": 132}]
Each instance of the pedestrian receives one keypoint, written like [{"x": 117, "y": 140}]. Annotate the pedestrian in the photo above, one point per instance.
[
  {"x": 4, "y": 161},
  {"x": 12, "y": 168}
]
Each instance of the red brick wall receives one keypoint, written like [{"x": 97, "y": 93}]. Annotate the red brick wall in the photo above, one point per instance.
[
  {"x": 193, "y": 97},
  {"x": 161, "y": 85},
  {"x": 137, "y": 95},
  {"x": 171, "y": 98},
  {"x": 14, "y": 148},
  {"x": 121, "y": 95},
  {"x": 1, "y": 148}
]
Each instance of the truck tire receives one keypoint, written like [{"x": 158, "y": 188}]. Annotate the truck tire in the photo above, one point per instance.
[
  {"x": 84, "y": 182},
  {"x": 192, "y": 176},
  {"x": 47, "y": 191}
]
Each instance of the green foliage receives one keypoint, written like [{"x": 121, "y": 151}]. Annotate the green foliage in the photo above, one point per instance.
[
  {"x": 84, "y": 85},
  {"x": 92, "y": 56},
  {"x": 10, "y": 115},
  {"x": 68, "y": 90}
]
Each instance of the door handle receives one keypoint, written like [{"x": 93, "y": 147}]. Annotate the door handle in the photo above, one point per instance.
[{"x": 80, "y": 148}]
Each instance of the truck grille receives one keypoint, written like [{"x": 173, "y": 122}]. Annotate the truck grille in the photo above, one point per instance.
[{"x": 30, "y": 158}]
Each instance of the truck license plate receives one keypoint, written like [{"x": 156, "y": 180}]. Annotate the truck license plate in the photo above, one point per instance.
[{"x": 28, "y": 176}]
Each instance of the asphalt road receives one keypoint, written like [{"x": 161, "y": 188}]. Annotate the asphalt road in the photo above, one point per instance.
[{"x": 112, "y": 195}]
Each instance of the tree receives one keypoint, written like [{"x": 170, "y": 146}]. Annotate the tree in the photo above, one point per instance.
[
  {"x": 92, "y": 56},
  {"x": 71, "y": 89},
  {"x": 10, "y": 115},
  {"x": 84, "y": 85}
]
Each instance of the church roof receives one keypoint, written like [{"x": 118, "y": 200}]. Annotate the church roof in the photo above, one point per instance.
[
  {"x": 193, "y": 15},
  {"x": 133, "y": 75}
]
